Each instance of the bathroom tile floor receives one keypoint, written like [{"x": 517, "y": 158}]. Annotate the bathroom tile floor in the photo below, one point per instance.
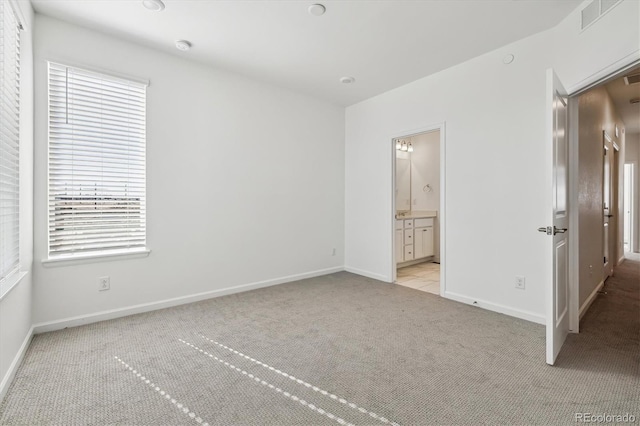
[{"x": 423, "y": 276}]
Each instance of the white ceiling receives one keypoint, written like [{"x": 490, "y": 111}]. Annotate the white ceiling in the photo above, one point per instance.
[
  {"x": 621, "y": 94},
  {"x": 384, "y": 44}
]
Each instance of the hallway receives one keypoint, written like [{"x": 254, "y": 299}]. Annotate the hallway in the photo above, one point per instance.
[{"x": 609, "y": 340}]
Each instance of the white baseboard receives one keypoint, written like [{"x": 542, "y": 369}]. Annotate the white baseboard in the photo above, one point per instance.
[
  {"x": 152, "y": 306},
  {"x": 525, "y": 315},
  {"x": 13, "y": 368},
  {"x": 587, "y": 303},
  {"x": 622, "y": 258},
  {"x": 367, "y": 274}
]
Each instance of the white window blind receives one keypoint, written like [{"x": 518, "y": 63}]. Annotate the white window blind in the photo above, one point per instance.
[
  {"x": 9, "y": 142},
  {"x": 97, "y": 181}
]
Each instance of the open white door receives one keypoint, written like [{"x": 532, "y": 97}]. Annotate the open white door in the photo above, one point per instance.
[{"x": 558, "y": 245}]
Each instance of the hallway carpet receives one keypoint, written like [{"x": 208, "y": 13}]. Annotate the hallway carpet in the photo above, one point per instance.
[{"x": 335, "y": 350}]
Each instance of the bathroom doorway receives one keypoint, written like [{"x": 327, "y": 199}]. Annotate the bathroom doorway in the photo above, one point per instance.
[{"x": 418, "y": 210}]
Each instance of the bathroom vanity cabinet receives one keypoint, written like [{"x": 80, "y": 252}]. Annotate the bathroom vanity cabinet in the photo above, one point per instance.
[{"x": 414, "y": 238}]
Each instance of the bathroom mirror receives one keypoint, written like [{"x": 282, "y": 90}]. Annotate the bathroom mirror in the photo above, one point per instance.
[{"x": 403, "y": 183}]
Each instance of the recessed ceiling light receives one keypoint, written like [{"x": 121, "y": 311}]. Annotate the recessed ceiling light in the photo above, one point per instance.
[
  {"x": 155, "y": 5},
  {"x": 508, "y": 59},
  {"x": 347, "y": 80},
  {"x": 183, "y": 45},
  {"x": 317, "y": 9}
]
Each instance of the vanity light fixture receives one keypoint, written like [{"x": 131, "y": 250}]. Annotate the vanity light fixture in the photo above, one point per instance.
[
  {"x": 155, "y": 5},
  {"x": 402, "y": 145}
]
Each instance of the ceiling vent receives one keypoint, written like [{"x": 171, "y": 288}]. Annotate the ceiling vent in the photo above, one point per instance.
[
  {"x": 595, "y": 10},
  {"x": 590, "y": 13},
  {"x": 632, "y": 79}
]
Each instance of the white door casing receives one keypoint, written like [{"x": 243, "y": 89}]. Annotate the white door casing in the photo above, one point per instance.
[
  {"x": 399, "y": 242},
  {"x": 557, "y": 312}
]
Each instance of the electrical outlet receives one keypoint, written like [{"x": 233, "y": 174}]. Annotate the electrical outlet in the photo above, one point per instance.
[
  {"x": 104, "y": 283},
  {"x": 520, "y": 282},
  {"x": 333, "y": 252}
]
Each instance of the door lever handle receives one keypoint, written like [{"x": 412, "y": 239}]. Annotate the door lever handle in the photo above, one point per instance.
[
  {"x": 552, "y": 230},
  {"x": 609, "y": 215},
  {"x": 546, "y": 229}
]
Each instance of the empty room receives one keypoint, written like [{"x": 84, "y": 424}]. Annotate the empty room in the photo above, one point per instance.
[{"x": 352, "y": 212}]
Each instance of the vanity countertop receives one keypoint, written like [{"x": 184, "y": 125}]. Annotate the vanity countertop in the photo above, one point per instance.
[{"x": 417, "y": 214}]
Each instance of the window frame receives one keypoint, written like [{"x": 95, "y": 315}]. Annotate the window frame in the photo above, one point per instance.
[
  {"x": 14, "y": 275},
  {"x": 81, "y": 257}
]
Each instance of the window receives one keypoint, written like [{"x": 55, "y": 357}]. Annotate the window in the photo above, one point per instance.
[
  {"x": 97, "y": 182},
  {"x": 9, "y": 143}
]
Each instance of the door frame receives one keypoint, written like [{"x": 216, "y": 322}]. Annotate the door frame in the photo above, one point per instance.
[
  {"x": 618, "y": 167},
  {"x": 615, "y": 70},
  {"x": 441, "y": 127},
  {"x": 607, "y": 160}
]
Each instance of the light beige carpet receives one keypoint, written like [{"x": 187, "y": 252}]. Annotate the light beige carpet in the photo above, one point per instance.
[{"x": 360, "y": 352}]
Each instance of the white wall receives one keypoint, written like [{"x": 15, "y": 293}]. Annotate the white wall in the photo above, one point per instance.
[
  {"x": 632, "y": 153},
  {"x": 245, "y": 181},
  {"x": 425, "y": 170},
  {"x": 484, "y": 123},
  {"x": 15, "y": 306},
  {"x": 612, "y": 42},
  {"x": 496, "y": 168},
  {"x": 596, "y": 113}
]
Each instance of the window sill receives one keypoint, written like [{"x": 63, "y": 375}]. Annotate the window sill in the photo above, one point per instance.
[
  {"x": 95, "y": 257},
  {"x": 11, "y": 283}
]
